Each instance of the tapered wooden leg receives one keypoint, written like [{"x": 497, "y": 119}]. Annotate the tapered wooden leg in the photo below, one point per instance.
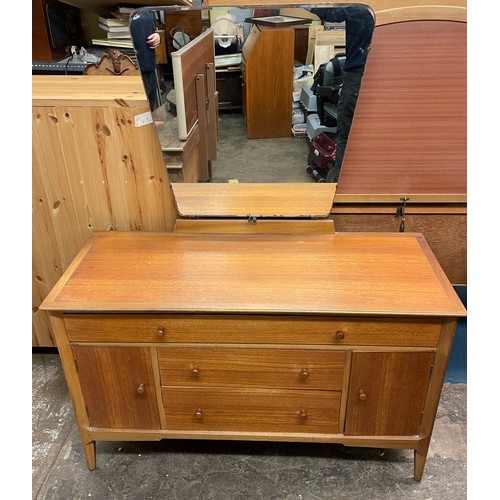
[
  {"x": 89, "y": 450},
  {"x": 420, "y": 456}
]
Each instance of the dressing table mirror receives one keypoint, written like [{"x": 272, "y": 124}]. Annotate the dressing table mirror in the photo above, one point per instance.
[{"x": 260, "y": 109}]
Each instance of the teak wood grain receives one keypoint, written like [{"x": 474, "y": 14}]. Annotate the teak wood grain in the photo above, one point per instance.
[
  {"x": 268, "y": 56},
  {"x": 254, "y": 199},
  {"x": 118, "y": 386},
  {"x": 167, "y": 335},
  {"x": 387, "y": 392},
  {"x": 263, "y": 410},
  {"x": 298, "y": 329},
  {"x": 361, "y": 273},
  {"x": 258, "y": 368}
]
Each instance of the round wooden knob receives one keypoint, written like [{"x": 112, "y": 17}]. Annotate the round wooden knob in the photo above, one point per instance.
[
  {"x": 340, "y": 335},
  {"x": 362, "y": 395},
  {"x": 195, "y": 372},
  {"x": 303, "y": 414},
  {"x": 198, "y": 413},
  {"x": 160, "y": 332},
  {"x": 304, "y": 373},
  {"x": 140, "y": 389}
]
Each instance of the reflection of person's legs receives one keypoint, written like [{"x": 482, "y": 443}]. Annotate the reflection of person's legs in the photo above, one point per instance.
[
  {"x": 345, "y": 111},
  {"x": 149, "y": 80}
]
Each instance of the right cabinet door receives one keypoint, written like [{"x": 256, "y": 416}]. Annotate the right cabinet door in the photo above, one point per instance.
[{"x": 387, "y": 392}]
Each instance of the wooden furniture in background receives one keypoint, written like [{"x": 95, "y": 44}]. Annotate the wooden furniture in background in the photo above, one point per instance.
[
  {"x": 113, "y": 62},
  {"x": 328, "y": 338},
  {"x": 267, "y": 81},
  {"x": 187, "y": 63},
  {"x": 97, "y": 165},
  {"x": 405, "y": 166}
]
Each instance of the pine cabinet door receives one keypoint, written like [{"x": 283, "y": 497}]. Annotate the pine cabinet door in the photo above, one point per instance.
[
  {"x": 118, "y": 386},
  {"x": 387, "y": 392}
]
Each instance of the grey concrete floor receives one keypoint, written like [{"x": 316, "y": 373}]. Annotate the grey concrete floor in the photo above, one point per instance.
[
  {"x": 226, "y": 470},
  {"x": 257, "y": 160}
]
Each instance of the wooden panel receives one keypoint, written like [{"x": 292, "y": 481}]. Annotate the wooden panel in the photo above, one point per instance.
[
  {"x": 189, "y": 20},
  {"x": 409, "y": 131},
  {"x": 187, "y": 62},
  {"x": 268, "y": 56},
  {"x": 249, "y": 199},
  {"x": 118, "y": 387},
  {"x": 367, "y": 274},
  {"x": 87, "y": 91},
  {"x": 252, "y": 328},
  {"x": 260, "y": 226},
  {"x": 259, "y": 368},
  {"x": 446, "y": 234},
  {"x": 387, "y": 393},
  {"x": 252, "y": 410},
  {"x": 93, "y": 170}
]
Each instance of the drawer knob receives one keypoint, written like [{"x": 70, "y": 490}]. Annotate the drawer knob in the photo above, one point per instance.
[
  {"x": 304, "y": 373},
  {"x": 140, "y": 389},
  {"x": 160, "y": 332},
  {"x": 195, "y": 372},
  {"x": 198, "y": 413},
  {"x": 362, "y": 395},
  {"x": 303, "y": 414},
  {"x": 340, "y": 335}
]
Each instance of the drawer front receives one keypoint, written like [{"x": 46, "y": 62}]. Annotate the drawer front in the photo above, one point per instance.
[
  {"x": 251, "y": 410},
  {"x": 240, "y": 367},
  {"x": 257, "y": 329}
]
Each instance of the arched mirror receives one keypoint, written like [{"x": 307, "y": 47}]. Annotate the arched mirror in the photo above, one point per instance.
[{"x": 254, "y": 94}]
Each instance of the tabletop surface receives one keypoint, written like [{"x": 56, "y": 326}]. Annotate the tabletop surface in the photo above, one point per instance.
[{"x": 342, "y": 273}]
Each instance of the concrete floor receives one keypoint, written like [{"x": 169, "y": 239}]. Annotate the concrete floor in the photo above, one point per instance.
[
  {"x": 281, "y": 159},
  {"x": 225, "y": 470}
]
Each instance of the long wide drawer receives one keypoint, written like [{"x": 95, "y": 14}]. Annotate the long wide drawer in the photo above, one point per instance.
[
  {"x": 251, "y": 410},
  {"x": 257, "y": 329},
  {"x": 249, "y": 367}
]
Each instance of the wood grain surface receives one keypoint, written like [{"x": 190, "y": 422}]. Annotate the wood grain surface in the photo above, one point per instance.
[
  {"x": 409, "y": 133},
  {"x": 254, "y": 199},
  {"x": 351, "y": 273}
]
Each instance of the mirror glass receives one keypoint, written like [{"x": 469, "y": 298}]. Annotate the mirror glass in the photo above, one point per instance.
[{"x": 286, "y": 86}]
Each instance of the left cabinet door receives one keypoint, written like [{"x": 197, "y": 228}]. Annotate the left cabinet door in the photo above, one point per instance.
[{"x": 118, "y": 386}]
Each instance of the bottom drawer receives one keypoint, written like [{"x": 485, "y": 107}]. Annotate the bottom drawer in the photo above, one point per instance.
[{"x": 251, "y": 410}]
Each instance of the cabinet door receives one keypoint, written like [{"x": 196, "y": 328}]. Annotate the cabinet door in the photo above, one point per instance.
[
  {"x": 118, "y": 386},
  {"x": 387, "y": 392}
]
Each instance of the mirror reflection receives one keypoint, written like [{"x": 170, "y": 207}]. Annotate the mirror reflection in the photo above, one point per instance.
[{"x": 253, "y": 94}]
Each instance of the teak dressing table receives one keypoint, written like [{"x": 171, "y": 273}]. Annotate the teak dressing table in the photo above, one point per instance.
[{"x": 331, "y": 338}]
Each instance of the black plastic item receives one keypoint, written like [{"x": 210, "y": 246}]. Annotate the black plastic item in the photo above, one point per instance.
[{"x": 64, "y": 23}]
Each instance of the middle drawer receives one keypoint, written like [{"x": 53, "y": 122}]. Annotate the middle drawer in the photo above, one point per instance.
[{"x": 251, "y": 367}]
